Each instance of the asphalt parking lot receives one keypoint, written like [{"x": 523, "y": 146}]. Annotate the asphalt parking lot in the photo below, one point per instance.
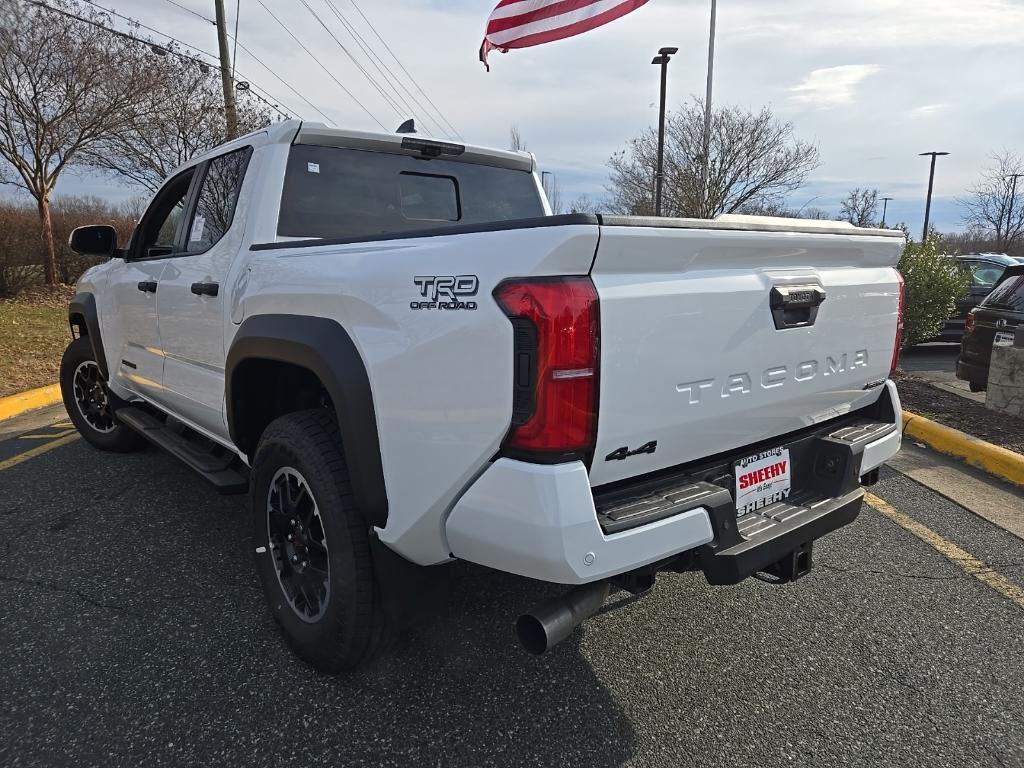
[{"x": 133, "y": 632}]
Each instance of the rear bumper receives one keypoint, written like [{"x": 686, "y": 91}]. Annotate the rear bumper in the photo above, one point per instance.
[
  {"x": 539, "y": 521},
  {"x": 542, "y": 521}
]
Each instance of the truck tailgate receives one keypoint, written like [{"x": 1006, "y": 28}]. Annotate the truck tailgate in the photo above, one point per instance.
[{"x": 717, "y": 338}]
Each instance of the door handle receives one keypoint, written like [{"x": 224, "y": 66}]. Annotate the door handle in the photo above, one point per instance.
[
  {"x": 147, "y": 286},
  {"x": 205, "y": 289},
  {"x": 795, "y": 306}
]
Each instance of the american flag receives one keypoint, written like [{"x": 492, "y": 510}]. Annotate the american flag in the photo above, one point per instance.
[{"x": 522, "y": 23}]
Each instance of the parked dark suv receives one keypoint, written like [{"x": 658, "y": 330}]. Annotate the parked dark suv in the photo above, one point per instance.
[
  {"x": 984, "y": 270},
  {"x": 999, "y": 314}
]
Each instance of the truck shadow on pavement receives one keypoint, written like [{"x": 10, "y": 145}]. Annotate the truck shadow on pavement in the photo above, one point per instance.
[{"x": 140, "y": 635}]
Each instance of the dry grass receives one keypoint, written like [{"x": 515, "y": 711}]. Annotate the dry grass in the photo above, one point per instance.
[{"x": 33, "y": 335}]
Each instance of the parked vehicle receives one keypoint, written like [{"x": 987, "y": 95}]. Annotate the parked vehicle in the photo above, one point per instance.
[
  {"x": 403, "y": 358},
  {"x": 984, "y": 270},
  {"x": 994, "y": 321}
]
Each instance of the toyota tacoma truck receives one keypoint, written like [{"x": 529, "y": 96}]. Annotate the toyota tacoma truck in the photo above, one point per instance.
[{"x": 392, "y": 345}]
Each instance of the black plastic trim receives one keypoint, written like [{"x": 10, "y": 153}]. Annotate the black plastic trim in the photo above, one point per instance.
[
  {"x": 84, "y": 304},
  {"x": 323, "y": 347},
  {"x": 563, "y": 220}
]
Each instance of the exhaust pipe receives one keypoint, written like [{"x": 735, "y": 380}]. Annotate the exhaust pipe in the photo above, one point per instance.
[{"x": 551, "y": 622}]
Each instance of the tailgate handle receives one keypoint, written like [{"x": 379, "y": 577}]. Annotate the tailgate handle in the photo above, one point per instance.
[{"x": 796, "y": 306}]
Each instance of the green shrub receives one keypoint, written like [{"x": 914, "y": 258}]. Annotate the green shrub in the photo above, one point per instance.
[{"x": 933, "y": 284}]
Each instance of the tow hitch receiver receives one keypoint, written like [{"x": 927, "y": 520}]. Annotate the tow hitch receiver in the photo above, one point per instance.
[{"x": 793, "y": 566}]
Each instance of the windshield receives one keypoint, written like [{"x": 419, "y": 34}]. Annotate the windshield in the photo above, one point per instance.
[{"x": 336, "y": 193}]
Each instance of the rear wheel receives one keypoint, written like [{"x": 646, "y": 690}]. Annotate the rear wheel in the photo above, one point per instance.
[
  {"x": 977, "y": 386},
  {"x": 89, "y": 402},
  {"x": 312, "y": 544}
]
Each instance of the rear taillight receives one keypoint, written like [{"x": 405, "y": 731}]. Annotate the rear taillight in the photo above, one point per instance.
[
  {"x": 899, "y": 326},
  {"x": 555, "y": 330},
  {"x": 969, "y": 323}
]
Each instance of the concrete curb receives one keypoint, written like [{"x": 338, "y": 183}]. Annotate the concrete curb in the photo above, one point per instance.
[
  {"x": 15, "y": 405},
  {"x": 997, "y": 461}
]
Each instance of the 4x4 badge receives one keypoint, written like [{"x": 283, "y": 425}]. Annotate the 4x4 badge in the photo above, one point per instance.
[{"x": 623, "y": 453}]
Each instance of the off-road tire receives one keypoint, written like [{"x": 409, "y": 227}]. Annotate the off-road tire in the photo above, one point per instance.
[
  {"x": 113, "y": 436},
  {"x": 349, "y": 630}
]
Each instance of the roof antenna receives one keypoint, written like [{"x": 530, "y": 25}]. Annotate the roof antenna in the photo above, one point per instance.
[{"x": 409, "y": 126}]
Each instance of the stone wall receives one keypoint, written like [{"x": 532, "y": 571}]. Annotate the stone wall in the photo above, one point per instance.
[{"x": 1006, "y": 381}]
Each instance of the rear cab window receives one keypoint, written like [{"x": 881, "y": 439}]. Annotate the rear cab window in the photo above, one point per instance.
[
  {"x": 338, "y": 193},
  {"x": 1009, "y": 294}
]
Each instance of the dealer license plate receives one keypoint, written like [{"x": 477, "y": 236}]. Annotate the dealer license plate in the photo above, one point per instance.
[
  {"x": 1002, "y": 339},
  {"x": 762, "y": 479}
]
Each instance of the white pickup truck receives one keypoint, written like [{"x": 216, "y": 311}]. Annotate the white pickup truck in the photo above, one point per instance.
[{"x": 392, "y": 345}]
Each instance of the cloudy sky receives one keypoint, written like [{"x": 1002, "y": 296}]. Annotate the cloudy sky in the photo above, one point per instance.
[{"x": 873, "y": 83}]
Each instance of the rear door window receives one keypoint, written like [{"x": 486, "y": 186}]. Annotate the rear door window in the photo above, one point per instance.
[
  {"x": 337, "y": 193},
  {"x": 1008, "y": 294},
  {"x": 218, "y": 196}
]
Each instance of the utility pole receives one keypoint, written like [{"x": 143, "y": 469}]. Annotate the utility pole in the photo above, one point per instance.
[
  {"x": 662, "y": 59},
  {"x": 706, "y": 171},
  {"x": 1013, "y": 195},
  {"x": 931, "y": 182},
  {"x": 885, "y": 207},
  {"x": 230, "y": 112}
]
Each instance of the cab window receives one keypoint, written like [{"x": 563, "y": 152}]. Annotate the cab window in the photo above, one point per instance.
[
  {"x": 216, "y": 201},
  {"x": 157, "y": 233}
]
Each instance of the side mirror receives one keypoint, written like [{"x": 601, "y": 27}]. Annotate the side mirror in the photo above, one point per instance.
[{"x": 94, "y": 240}]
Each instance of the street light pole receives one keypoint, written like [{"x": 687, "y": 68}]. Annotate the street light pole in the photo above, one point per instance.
[
  {"x": 662, "y": 59},
  {"x": 931, "y": 182},
  {"x": 885, "y": 207},
  {"x": 706, "y": 170}
]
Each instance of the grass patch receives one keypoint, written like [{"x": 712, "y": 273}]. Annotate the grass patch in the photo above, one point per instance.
[{"x": 33, "y": 334}]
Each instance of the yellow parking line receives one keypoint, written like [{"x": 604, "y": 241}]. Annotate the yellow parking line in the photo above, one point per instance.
[
  {"x": 960, "y": 557},
  {"x": 37, "y": 451},
  {"x": 48, "y": 436}
]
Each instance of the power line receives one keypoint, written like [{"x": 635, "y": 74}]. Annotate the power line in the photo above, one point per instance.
[
  {"x": 384, "y": 69},
  {"x": 254, "y": 57},
  {"x": 285, "y": 83},
  {"x": 270, "y": 98},
  {"x": 151, "y": 44},
  {"x": 194, "y": 13},
  {"x": 234, "y": 53},
  {"x": 408, "y": 74},
  {"x": 322, "y": 66},
  {"x": 391, "y": 102}
]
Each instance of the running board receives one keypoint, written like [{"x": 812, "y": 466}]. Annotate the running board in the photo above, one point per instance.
[{"x": 215, "y": 464}]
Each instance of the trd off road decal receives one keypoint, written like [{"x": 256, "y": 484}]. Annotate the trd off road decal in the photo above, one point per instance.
[{"x": 445, "y": 291}]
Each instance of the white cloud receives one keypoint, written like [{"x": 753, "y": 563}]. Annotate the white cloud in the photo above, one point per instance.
[
  {"x": 832, "y": 86},
  {"x": 927, "y": 110}
]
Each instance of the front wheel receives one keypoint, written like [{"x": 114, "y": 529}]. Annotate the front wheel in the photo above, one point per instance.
[
  {"x": 977, "y": 386},
  {"x": 312, "y": 544},
  {"x": 89, "y": 402}
]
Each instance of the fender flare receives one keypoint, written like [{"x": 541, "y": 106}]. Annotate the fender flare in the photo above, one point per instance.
[
  {"x": 325, "y": 348},
  {"x": 84, "y": 304}
]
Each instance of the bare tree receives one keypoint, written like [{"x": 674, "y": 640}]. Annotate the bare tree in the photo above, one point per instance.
[
  {"x": 64, "y": 85},
  {"x": 515, "y": 140},
  {"x": 860, "y": 207},
  {"x": 585, "y": 204},
  {"x": 185, "y": 117},
  {"x": 754, "y": 159},
  {"x": 995, "y": 204},
  {"x": 553, "y": 191}
]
